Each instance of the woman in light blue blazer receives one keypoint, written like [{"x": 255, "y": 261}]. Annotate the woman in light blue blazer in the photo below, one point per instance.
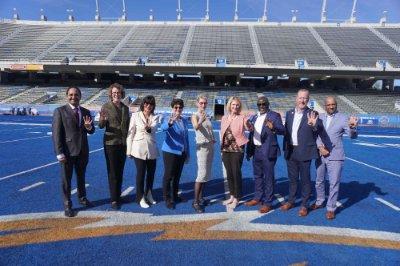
[{"x": 175, "y": 152}]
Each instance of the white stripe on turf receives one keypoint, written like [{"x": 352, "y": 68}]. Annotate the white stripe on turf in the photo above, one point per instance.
[
  {"x": 76, "y": 190},
  {"x": 127, "y": 191},
  {"x": 279, "y": 197},
  {"x": 373, "y": 167},
  {"x": 16, "y": 140},
  {"x": 387, "y": 203},
  {"x": 31, "y": 186},
  {"x": 37, "y": 168}
]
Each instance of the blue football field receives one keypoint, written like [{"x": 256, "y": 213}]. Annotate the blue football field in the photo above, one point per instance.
[{"x": 33, "y": 230}]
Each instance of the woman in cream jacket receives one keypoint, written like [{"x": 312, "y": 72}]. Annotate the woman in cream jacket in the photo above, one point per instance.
[{"x": 142, "y": 147}]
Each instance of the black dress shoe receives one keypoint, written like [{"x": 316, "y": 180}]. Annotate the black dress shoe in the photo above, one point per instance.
[
  {"x": 170, "y": 205},
  {"x": 68, "y": 212},
  {"x": 197, "y": 207},
  {"x": 180, "y": 199},
  {"x": 85, "y": 202},
  {"x": 204, "y": 202},
  {"x": 115, "y": 205}
]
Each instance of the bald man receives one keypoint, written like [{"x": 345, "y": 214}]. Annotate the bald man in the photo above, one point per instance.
[{"x": 330, "y": 162}]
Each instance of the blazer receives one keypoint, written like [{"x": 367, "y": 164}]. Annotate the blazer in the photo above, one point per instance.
[
  {"x": 306, "y": 135},
  {"x": 69, "y": 138},
  {"x": 337, "y": 127},
  {"x": 140, "y": 143},
  {"x": 116, "y": 127},
  {"x": 237, "y": 128},
  {"x": 177, "y": 138},
  {"x": 269, "y": 141}
]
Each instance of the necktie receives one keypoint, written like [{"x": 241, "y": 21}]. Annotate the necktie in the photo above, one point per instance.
[{"x": 77, "y": 115}]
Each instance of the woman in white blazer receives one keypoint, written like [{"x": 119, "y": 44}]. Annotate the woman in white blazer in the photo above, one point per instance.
[{"x": 142, "y": 147}]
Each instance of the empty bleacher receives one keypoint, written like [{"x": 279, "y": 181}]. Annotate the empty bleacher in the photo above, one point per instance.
[
  {"x": 9, "y": 91},
  {"x": 210, "y": 42},
  {"x": 375, "y": 102},
  {"x": 7, "y": 29}
]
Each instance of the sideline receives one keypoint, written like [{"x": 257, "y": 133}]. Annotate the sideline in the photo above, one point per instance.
[{"x": 373, "y": 167}]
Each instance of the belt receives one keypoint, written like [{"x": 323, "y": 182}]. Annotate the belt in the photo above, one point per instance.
[{"x": 257, "y": 146}]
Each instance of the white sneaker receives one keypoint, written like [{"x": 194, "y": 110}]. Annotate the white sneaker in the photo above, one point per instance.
[
  {"x": 150, "y": 198},
  {"x": 228, "y": 201},
  {"x": 233, "y": 204},
  {"x": 143, "y": 203}
]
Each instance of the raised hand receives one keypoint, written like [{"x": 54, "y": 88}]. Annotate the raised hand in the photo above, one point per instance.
[
  {"x": 87, "y": 122},
  {"x": 353, "y": 121},
  {"x": 249, "y": 125},
  {"x": 173, "y": 118},
  {"x": 269, "y": 124},
  {"x": 312, "y": 118},
  {"x": 103, "y": 115}
]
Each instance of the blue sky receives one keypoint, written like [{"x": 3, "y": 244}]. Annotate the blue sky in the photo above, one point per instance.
[{"x": 221, "y": 10}]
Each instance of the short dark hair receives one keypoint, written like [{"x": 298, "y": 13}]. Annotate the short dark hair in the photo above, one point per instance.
[
  {"x": 149, "y": 99},
  {"x": 263, "y": 99},
  {"x": 177, "y": 101},
  {"x": 73, "y": 87},
  {"x": 119, "y": 87}
]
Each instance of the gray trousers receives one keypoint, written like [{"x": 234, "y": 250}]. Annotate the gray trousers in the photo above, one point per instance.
[{"x": 333, "y": 169}]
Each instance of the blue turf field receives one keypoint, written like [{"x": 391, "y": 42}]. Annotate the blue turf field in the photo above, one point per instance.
[{"x": 369, "y": 195}]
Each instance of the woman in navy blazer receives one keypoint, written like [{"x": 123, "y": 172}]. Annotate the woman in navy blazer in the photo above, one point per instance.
[{"x": 175, "y": 152}]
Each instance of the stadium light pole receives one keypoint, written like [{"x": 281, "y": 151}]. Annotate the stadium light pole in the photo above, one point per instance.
[
  {"x": 323, "y": 12},
  {"x": 15, "y": 15},
  {"x": 264, "y": 17},
  {"x": 207, "y": 16},
  {"x": 236, "y": 17},
  {"x": 97, "y": 16},
  {"x": 70, "y": 14},
  {"x": 383, "y": 18},
  {"x": 179, "y": 11},
  {"x": 42, "y": 16},
  {"x": 353, "y": 18},
  {"x": 151, "y": 16},
  {"x": 294, "y": 15},
  {"x": 124, "y": 16}
]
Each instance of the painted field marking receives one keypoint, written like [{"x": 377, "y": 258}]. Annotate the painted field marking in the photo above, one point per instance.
[
  {"x": 76, "y": 190},
  {"x": 16, "y": 140},
  {"x": 373, "y": 167},
  {"x": 379, "y": 136},
  {"x": 127, "y": 191},
  {"x": 16, "y": 129},
  {"x": 25, "y": 124},
  {"x": 38, "y": 168},
  {"x": 31, "y": 186},
  {"x": 338, "y": 204},
  {"x": 279, "y": 197},
  {"x": 387, "y": 203}
]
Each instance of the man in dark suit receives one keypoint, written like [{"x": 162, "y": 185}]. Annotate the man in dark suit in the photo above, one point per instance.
[
  {"x": 302, "y": 128},
  {"x": 71, "y": 124},
  {"x": 264, "y": 148}
]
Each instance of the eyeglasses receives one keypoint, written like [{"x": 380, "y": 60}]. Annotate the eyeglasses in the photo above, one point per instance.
[
  {"x": 116, "y": 92},
  {"x": 178, "y": 107},
  {"x": 261, "y": 104},
  {"x": 202, "y": 102},
  {"x": 332, "y": 104}
]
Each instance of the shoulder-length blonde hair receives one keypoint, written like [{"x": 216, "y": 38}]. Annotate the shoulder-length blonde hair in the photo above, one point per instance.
[
  {"x": 231, "y": 99},
  {"x": 119, "y": 87}
]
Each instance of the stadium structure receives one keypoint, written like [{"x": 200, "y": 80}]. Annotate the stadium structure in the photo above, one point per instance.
[{"x": 184, "y": 58}]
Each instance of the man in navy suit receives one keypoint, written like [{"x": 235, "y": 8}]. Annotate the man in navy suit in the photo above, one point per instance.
[
  {"x": 299, "y": 143},
  {"x": 264, "y": 148},
  {"x": 332, "y": 158}
]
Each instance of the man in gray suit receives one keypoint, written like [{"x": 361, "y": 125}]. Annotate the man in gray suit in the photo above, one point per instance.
[
  {"x": 331, "y": 158},
  {"x": 71, "y": 124}
]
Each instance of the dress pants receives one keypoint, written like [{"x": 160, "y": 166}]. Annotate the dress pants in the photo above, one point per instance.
[
  {"x": 173, "y": 165},
  {"x": 297, "y": 168},
  {"x": 144, "y": 167},
  {"x": 115, "y": 159},
  {"x": 233, "y": 164},
  {"x": 334, "y": 171},
  {"x": 264, "y": 177},
  {"x": 78, "y": 163}
]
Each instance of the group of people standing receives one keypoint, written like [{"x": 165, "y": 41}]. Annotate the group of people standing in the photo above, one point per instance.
[{"x": 306, "y": 137}]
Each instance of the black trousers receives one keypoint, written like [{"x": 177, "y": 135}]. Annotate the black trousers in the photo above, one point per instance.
[
  {"x": 78, "y": 163},
  {"x": 115, "y": 159},
  {"x": 173, "y": 165},
  {"x": 144, "y": 167},
  {"x": 295, "y": 170},
  {"x": 233, "y": 164}
]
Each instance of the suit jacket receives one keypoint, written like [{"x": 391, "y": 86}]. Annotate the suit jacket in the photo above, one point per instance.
[
  {"x": 177, "y": 138},
  {"x": 116, "y": 126},
  {"x": 69, "y": 138},
  {"x": 306, "y": 135},
  {"x": 269, "y": 141},
  {"x": 140, "y": 143},
  {"x": 237, "y": 128},
  {"x": 337, "y": 127}
]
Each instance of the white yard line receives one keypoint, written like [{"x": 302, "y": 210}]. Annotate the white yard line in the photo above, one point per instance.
[
  {"x": 127, "y": 191},
  {"x": 38, "y": 168},
  {"x": 16, "y": 140},
  {"x": 31, "y": 186},
  {"x": 387, "y": 203},
  {"x": 25, "y": 124},
  {"x": 76, "y": 190},
  {"x": 373, "y": 167},
  {"x": 279, "y": 197}
]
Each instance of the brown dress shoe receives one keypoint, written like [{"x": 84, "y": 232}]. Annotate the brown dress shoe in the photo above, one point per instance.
[
  {"x": 314, "y": 206},
  {"x": 303, "y": 212},
  {"x": 287, "y": 206},
  {"x": 251, "y": 203},
  {"x": 265, "y": 208},
  {"x": 330, "y": 215}
]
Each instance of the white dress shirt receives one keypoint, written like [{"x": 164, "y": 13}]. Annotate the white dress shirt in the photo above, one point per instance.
[
  {"x": 298, "y": 115},
  {"x": 329, "y": 119},
  {"x": 258, "y": 126}
]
